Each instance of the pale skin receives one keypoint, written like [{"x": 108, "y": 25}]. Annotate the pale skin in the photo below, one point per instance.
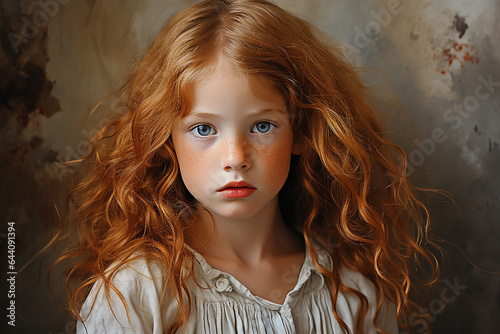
[{"x": 239, "y": 130}]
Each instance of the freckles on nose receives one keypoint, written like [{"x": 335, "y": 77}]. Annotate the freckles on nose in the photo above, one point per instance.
[
  {"x": 236, "y": 144},
  {"x": 234, "y": 151}
]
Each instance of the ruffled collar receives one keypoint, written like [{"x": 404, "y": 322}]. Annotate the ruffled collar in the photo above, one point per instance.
[{"x": 225, "y": 282}]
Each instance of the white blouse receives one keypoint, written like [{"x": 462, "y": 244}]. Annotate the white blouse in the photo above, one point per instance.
[{"x": 223, "y": 305}]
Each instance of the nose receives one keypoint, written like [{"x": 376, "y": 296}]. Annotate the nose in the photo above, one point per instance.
[{"x": 235, "y": 153}]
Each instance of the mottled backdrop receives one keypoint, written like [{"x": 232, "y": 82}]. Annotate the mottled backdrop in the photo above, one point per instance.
[{"x": 437, "y": 60}]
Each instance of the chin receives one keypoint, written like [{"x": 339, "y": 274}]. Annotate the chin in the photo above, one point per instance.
[
  {"x": 238, "y": 215},
  {"x": 239, "y": 212}
]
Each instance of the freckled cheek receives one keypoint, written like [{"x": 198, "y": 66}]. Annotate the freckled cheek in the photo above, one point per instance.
[
  {"x": 191, "y": 164},
  {"x": 277, "y": 163}
]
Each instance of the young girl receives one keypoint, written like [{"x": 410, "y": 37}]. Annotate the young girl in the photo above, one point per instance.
[{"x": 247, "y": 187}]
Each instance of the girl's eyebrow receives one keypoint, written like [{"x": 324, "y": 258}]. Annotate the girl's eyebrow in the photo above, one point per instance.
[{"x": 217, "y": 116}]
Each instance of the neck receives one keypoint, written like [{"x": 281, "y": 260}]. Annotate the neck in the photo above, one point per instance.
[{"x": 247, "y": 241}]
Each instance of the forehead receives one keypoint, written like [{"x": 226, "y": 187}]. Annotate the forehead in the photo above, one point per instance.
[
  {"x": 220, "y": 86},
  {"x": 221, "y": 70}
]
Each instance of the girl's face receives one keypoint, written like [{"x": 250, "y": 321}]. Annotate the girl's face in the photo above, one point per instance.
[{"x": 234, "y": 132}]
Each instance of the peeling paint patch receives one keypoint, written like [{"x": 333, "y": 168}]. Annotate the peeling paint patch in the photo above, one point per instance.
[
  {"x": 460, "y": 25},
  {"x": 25, "y": 90},
  {"x": 28, "y": 91}
]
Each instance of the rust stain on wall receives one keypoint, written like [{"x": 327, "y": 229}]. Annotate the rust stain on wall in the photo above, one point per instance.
[{"x": 461, "y": 53}]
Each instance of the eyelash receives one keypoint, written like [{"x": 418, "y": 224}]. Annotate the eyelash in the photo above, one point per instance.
[{"x": 194, "y": 128}]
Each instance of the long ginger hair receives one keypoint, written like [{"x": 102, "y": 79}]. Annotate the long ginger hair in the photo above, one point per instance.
[{"x": 346, "y": 190}]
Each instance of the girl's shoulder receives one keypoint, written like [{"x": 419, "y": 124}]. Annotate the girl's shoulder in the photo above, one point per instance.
[
  {"x": 351, "y": 278},
  {"x": 356, "y": 280},
  {"x": 135, "y": 274},
  {"x": 133, "y": 300},
  {"x": 386, "y": 318},
  {"x": 139, "y": 267}
]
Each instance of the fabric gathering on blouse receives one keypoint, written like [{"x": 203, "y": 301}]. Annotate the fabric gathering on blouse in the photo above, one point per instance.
[{"x": 221, "y": 304}]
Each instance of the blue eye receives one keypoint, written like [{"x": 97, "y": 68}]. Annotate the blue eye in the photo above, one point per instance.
[
  {"x": 204, "y": 130},
  {"x": 264, "y": 127}
]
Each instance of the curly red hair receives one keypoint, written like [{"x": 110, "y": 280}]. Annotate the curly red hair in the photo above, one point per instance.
[{"x": 345, "y": 190}]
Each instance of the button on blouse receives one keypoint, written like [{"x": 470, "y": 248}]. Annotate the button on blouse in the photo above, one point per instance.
[{"x": 223, "y": 285}]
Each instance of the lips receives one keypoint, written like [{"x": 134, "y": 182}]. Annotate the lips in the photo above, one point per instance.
[
  {"x": 237, "y": 190},
  {"x": 238, "y": 184}
]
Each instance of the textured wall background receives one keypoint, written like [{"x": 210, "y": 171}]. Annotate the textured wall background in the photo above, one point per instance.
[{"x": 441, "y": 59}]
